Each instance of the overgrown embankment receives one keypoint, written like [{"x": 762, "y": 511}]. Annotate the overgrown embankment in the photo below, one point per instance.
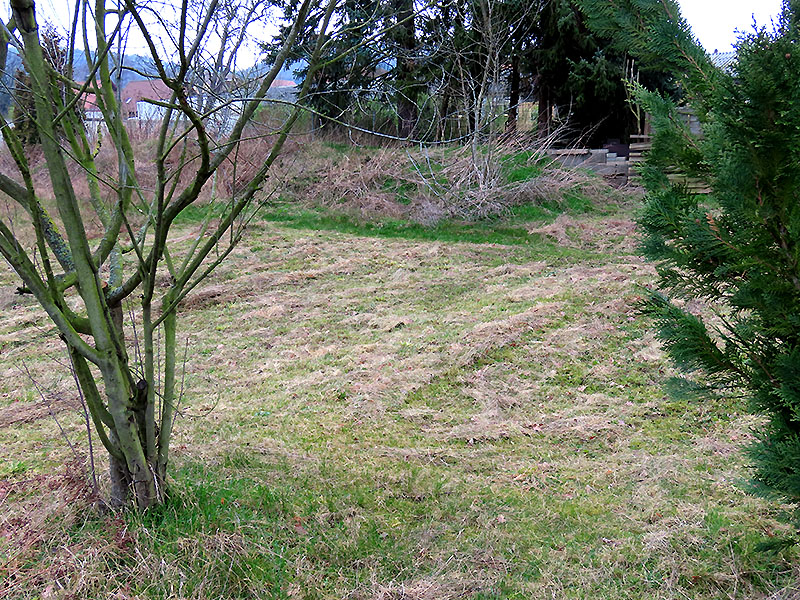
[{"x": 431, "y": 186}]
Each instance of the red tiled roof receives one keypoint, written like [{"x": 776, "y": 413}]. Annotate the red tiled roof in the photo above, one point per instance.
[
  {"x": 150, "y": 89},
  {"x": 90, "y": 102}
]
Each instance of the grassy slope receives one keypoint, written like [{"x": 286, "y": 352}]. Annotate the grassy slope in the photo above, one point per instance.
[{"x": 398, "y": 417}]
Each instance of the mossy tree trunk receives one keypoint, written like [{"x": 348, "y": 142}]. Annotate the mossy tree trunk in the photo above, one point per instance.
[{"x": 134, "y": 415}]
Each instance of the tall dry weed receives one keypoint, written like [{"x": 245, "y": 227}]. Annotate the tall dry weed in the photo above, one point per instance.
[{"x": 182, "y": 162}]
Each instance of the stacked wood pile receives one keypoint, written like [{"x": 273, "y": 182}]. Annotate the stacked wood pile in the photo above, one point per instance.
[
  {"x": 640, "y": 144},
  {"x": 609, "y": 165}
]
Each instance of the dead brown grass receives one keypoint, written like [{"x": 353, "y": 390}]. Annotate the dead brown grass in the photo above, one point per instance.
[
  {"x": 234, "y": 173},
  {"x": 604, "y": 235},
  {"x": 356, "y": 182},
  {"x": 28, "y": 412},
  {"x": 35, "y": 513},
  {"x": 430, "y": 589}
]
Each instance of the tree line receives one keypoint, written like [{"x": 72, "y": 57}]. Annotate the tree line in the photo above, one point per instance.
[{"x": 444, "y": 69}]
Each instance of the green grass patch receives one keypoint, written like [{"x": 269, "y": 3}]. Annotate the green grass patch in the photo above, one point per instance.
[
  {"x": 578, "y": 202},
  {"x": 476, "y": 233},
  {"x": 403, "y": 190},
  {"x": 199, "y": 212},
  {"x": 523, "y": 166}
]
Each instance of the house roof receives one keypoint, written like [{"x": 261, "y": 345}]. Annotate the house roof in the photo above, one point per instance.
[
  {"x": 90, "y": 102},
  {"x": 724, "y": 60},
  {"x": 149, "y": 89},
  {"x": 282, "y": 83}
]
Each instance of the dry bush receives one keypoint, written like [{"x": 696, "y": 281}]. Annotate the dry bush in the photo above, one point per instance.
[
  {"x": 357, "y": 183},
  {"x": 479, "y": 189},
  {"x": 437, "y": 184},
  {"x": 497, "y": 197}
]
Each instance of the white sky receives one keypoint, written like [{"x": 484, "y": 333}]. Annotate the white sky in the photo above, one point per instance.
[{"x": 714, "y": 22}]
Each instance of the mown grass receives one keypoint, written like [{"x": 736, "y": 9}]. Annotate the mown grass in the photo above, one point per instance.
[{"x": 399, "y": 412}]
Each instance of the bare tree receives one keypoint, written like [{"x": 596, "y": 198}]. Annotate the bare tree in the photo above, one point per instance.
[
  {"x": 81, "y": 284},
  {"x": 216, "y": 88},
  {"x": 491, "y": 31}
]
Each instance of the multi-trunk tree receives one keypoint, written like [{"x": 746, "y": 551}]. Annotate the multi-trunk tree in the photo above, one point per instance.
[{"x": 81, "y": 283}]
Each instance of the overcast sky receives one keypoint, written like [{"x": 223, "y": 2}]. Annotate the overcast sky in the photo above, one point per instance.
[{"x": 714, "y": 21}]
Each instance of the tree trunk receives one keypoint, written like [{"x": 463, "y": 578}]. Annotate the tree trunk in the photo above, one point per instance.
[
  {"x": 133, "y": 414},
  {"x": 545, "y": 113},
  {"x": 407, "y": 90},
  {"x": 120, "y": 482},
  {"x": 126, "y": 404},
  {"x": 443, "y": 117},
  {"x": 513, "y": 98}
]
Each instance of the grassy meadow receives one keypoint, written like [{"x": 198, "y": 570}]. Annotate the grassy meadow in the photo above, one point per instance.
[{"x": 382, "y": 409}]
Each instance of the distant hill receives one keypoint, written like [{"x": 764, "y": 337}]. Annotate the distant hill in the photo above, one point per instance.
[
  {"x": 140, "y": 64},
  {"x": 13, "y": 63},
  {"x": 289, "y": 72},
  {"x": 262, "y": 68}
]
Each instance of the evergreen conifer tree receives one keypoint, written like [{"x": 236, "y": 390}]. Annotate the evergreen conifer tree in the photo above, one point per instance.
[
  {"x": 737, "y": 249},
  {"x": 350, "y": 63},
  {"x": 580, "y": 71}
]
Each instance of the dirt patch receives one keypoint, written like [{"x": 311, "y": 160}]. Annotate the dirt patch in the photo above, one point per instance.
[
  {"x": 10, "y": 298},
  {"x": 28, "y": 412}
]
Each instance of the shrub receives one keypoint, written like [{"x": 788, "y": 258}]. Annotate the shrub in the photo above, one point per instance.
[{"x": 737, "y": 249}]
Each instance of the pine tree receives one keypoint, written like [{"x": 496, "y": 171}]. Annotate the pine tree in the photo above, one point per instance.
[
  {"x": 577, "y": 76},
  {"x": 580, "y": 72},
  {"x": 351, "y": 61},
  {"x": 736, "y": 249}
]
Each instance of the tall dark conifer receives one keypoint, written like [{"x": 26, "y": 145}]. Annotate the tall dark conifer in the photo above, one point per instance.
[
  {"x": 579, "y": 77},
  {"x": 404, "y": 43},
  {"x": 351, "y": 62}
]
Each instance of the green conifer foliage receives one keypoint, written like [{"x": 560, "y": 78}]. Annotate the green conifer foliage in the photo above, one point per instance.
[{"x": 737, "y": 249}]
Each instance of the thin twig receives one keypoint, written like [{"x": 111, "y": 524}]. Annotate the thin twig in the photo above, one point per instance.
[{"x": 50, "y": 410}]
